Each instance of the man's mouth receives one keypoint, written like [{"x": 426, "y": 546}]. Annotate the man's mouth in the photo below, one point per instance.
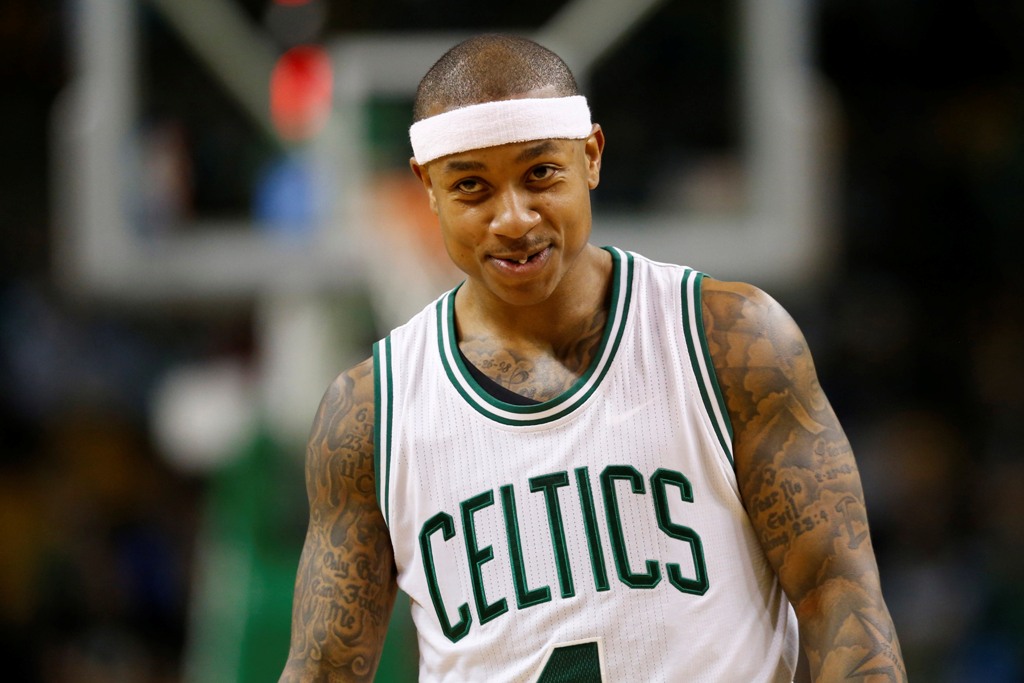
[
  {"x": 517, "y": 260},
  {"x": 520, "y": 261}
]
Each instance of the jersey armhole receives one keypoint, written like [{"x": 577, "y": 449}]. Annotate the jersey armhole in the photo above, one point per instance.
[
  {"x": 383, "y": 404},
  {"x": 700, "y": 360}
]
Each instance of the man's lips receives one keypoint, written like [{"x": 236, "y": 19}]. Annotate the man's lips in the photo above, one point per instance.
[
  {"x": 521, "y": 261},
  {"x": 520, "y": 255}
]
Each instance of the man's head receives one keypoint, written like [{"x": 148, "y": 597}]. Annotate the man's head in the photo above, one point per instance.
[
  {"x": 493, "y": 90},
  {"x": 507, "y": 153},
  {"x": 491, "y": 67}
]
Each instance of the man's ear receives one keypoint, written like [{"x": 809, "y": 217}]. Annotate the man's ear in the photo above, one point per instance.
[
  {"x": 421, "y": 173},
  {"x": 593, "y": 149}
]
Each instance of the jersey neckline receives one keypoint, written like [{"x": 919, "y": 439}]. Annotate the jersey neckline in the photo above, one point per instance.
[{"x": 569, "y": 400}]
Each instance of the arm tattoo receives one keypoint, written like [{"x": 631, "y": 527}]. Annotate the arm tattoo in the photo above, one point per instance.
[
  {"x": 801, "y": 487},
  {"x": 885, "y": 650},
  {"x": 345, "y": 586}
]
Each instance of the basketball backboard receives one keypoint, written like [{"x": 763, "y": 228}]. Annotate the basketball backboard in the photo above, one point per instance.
[{"x": 778, "y": 237}]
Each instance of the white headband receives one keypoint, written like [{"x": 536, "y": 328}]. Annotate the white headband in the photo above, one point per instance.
[{"x": 499, "y": 123}]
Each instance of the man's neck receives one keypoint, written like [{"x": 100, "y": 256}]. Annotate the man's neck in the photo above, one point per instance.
[{"x": 539, "y": 351}]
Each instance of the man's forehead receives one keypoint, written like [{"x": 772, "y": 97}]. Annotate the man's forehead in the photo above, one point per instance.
[{"x": 515, "y": 152}]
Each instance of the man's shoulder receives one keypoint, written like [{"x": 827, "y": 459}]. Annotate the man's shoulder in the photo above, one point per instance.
[
  {"x": 350, "y": 395},
  {"x": 734, "y": 289},
  {"x": 744, "y": 313},
  {"x": 359, "y": 375}
]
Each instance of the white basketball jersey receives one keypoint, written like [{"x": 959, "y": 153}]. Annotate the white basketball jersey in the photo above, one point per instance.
[{"x": 599, "y": 536}]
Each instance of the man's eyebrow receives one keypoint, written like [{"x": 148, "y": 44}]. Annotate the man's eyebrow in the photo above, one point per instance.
[
  {"x": 461, "y": 165},
  {"x": 456, "y": 165},
  {"x": 545, "y": 147}
]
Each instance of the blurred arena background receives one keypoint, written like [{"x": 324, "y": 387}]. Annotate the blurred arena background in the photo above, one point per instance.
[{"x": 205, "y": 214}]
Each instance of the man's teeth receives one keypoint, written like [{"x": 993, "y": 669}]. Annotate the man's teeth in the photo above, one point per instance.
[{"x": 523, "y": 260}]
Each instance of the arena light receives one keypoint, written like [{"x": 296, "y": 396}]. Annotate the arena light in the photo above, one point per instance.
[{"x": 300, "y": 92}]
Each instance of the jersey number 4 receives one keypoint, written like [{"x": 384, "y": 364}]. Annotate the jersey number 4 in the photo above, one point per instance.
[{"x": 580, "y": 661}]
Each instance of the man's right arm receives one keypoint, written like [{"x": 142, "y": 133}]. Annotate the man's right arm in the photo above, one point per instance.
[{"x": 345, "y": 587}]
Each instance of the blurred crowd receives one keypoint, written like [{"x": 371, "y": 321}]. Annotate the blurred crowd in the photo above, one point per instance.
[
  {"x": 923, "y": 328},
  {"x": 918, "y": 337}
]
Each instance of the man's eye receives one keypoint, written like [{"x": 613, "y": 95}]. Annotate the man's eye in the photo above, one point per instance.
[
  {"x": 541, "y": 172},
  {"x": 469, "y": 185}
]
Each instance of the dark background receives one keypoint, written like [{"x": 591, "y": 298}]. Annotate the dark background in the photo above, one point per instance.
[{"x": 918, "y": 331}]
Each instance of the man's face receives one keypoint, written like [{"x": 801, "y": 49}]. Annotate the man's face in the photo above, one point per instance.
[{"x": 515, "y": 217}]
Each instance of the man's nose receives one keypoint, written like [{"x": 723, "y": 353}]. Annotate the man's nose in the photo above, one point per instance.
[{"x": 514, "y": 215}]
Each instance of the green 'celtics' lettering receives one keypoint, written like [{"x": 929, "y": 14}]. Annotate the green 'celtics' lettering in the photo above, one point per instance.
[
  {"x": 549, "y": 484},
  {"x": 524, "y": 596},
  {"x": 478, "y": 556},
  {"x": 659, "y": 480},
  {"x": 590, "y": 526},
  {"x": 519, "y": 539},
  {"x": 618, "y": 537},
  {"x": 444, "y": 523}
]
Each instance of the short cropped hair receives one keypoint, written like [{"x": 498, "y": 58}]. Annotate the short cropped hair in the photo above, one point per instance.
[{"x": 487, "y": 68}]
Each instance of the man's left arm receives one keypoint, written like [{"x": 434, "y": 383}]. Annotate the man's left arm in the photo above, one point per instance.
[{"x": 801, "y": 486}]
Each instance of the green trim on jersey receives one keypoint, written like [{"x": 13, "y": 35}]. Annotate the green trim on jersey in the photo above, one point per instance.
[
  {"x": 700, "y": 360},
  {"x": 383, "y": 404},
  {"x": 572, "y": 398}
]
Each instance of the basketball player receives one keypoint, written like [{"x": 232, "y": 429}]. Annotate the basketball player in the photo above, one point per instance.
[{"x": 580, "y": 464}]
